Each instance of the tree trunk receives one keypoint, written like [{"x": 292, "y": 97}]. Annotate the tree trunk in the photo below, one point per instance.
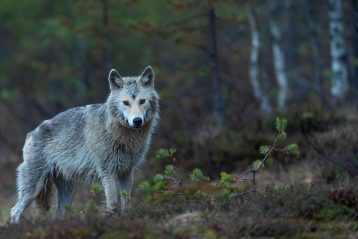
[
  {"x": 292, "y": 38},
  {"x": 260, "y": 95},
  {"x": 218, "y": 99},
  {"x": 79, "y": 64},
  {"x": 354, "y": 43},
  {"x": 339, "y": 81},
  {"x": 107, "y": 35},
  {"x": 278, "y": 56},
  {"x": 310, "y": 13}
]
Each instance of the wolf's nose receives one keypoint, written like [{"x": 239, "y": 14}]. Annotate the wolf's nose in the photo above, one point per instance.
[{"x": 137, "y": 121}]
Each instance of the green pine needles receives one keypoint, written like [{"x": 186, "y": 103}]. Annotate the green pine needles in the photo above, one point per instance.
[{"x": 198, "y": 175}]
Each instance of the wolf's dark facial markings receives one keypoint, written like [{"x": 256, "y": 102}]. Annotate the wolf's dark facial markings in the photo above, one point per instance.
[{"x": 133, "y": 89}]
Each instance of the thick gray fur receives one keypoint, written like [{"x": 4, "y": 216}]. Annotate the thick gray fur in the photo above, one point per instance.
[{"x": 88, "y": 143}]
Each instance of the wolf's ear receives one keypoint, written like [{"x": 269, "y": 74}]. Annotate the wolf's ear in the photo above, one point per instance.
[
  {"x": 115, "y": 80},
  {"x": 147, "y": 77}
]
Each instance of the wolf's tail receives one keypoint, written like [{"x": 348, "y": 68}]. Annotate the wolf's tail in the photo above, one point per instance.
[{"x": 43, "y": 199}]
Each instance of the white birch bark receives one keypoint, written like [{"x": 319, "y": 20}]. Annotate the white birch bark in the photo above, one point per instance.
[
  {"x": 259, "y": 94},
  {"x": 278, "y": 57},
  {"x": 339, "y": 66}
]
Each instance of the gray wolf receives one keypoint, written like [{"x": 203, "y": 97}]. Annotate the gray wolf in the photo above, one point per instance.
[{"x": 95, "y": 142}]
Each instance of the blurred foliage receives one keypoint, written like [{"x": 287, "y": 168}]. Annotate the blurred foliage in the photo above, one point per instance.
[
  {"x": 293, "y": 149},
  {"x": 165, "y": 153},
  {"x": 226, "y": 179},
  {"x": 198, "y": 175},
  {"x": 56, "y": 55}
]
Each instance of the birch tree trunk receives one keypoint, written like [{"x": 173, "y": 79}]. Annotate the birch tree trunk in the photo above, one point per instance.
[
  {"x": 278, "y": 56},
  {"x": 218, "y": 99},
  {"x": 339, "y": 81},
  {"x": 254, "y": 70}
]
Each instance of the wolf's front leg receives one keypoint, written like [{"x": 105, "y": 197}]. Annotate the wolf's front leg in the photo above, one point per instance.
[
  {"x": 110, "y": 185},
  {"x": 125, "y": 184}
]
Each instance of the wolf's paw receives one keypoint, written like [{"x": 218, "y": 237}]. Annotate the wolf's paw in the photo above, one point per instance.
[{"x": 125, "y": 205}]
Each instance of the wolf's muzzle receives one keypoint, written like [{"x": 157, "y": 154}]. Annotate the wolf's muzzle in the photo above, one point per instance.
[{"x": 137, "y": 122}]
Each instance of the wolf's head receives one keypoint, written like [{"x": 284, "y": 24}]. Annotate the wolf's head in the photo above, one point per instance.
[{"x": 133, "y": 100}]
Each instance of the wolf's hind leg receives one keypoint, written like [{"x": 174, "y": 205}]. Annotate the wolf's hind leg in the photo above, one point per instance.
[
  {"x": 43, "y": 199},
  {"x": 19, "y": 208},
  {"x": 30, "y": 182},
  {"x": 65, "y": 193}
]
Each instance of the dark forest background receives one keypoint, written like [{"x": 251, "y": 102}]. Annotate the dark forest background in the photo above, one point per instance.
[
  {"x": 223, "y": 68},
  {"x": 224, "y": 71}
]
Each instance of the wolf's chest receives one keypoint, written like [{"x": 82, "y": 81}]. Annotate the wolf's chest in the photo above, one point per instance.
[{"x": 126, "y": 152}]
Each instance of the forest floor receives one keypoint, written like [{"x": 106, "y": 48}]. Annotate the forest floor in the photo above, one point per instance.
[{"x": 278, "y": 210}]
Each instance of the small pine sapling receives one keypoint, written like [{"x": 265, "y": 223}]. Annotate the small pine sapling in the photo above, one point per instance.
[
  {"x": 229, "y": 183},
  {"x": 267, "y": 150}
]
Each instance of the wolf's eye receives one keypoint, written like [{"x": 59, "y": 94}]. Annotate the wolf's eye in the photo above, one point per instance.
[
  {"x": 126, "y": 102},
  {"x": 142, "y": 101}
]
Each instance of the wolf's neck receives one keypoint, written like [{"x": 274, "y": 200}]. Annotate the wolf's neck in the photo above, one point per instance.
[{"x": 112, "y": 119}]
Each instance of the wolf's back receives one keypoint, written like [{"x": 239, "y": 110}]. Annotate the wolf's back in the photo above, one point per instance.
[{"x": 60, "y": 128}]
